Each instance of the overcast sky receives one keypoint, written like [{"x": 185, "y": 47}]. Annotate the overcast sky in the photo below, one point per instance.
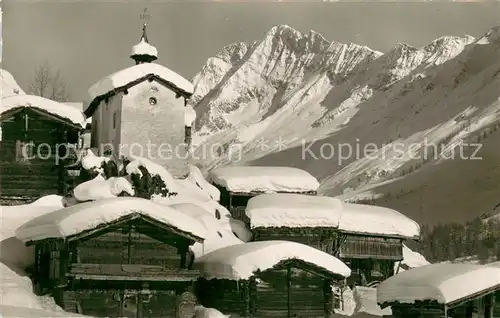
[{"x": 87, "y": 41}]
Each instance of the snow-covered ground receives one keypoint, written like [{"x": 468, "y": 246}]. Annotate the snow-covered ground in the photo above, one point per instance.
[{"x": 16, "y": 291}]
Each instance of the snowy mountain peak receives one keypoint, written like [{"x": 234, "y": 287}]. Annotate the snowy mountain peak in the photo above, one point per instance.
[
  {"x": 245, "y": 83},
  {"x": 492, "y": 35},
  {"x": 232, "y": 53}
]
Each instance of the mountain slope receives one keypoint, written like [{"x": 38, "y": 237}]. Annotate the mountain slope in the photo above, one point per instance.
[{"x": 270, "y": 99}]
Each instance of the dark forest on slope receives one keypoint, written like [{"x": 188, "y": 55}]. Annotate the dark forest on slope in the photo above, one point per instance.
[{"x": 450, "y": 241}]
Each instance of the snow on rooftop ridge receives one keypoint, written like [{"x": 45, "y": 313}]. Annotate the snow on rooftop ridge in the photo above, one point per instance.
[
  {"x": 264, "y": 179},
  {"x": 293, "y": 210},
  {"x": 370, "y": 219},
  {"x": 80, "y": 107},
  {"x": 242, "y": 261},
  {"x": 72, "y": 220},
  {"x": 189, "y": 116},
  {"x": 133, "y": 73},
  {"x": 444, "y": 283},
  {"x": 52, "y": 107},
  {"x": 144, "y": 48},
  {"x": 218, "y": 235}
]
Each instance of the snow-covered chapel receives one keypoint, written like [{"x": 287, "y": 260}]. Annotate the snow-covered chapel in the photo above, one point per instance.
[{"x": 142, "y": 111}]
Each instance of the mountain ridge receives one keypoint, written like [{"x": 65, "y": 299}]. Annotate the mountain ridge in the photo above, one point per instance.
[{"x": 302, "y": 88}]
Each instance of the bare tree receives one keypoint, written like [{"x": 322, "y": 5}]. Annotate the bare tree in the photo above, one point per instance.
[{"x": 48, "y": 84}]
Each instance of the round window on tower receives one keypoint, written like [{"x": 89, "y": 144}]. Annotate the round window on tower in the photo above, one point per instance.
[{"x": 152, "y": 101}]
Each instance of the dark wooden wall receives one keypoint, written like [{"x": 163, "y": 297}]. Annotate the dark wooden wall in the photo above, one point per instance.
[
  {"x": 307, "y": 297},
  {"x": 320, "y": 238},
  {"x": 114, "y": 248},
  {"x": 225, "y": 295},
  {"x": 118, "y": 303},
  {"x": 113, "y": 272},
  {"x": 266, "y": 296},
  {"x": 36, "y": 177}
]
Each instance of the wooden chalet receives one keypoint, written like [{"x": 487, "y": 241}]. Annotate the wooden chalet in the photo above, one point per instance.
[
  {"x": 310, "y": 220},
  {"x": 370, "y": 241},
  {"x": 120, "y": 257},
  {"x": 270, "y": 279},
  {"x": 442, "y": 291},
  {"x": 35, "y": 134},
  {"x": 240, "y": 183}
]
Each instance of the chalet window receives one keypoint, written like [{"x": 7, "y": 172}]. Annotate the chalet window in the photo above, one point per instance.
[
  {"x": 152, "y": 101},
  {"x": 24, "y": 151},
  {"x": 114, "y": 120}
]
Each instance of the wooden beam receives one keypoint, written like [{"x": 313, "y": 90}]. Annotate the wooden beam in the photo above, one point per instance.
[
  {"x": 489, "y": 305},
  {"x": 129, "y": 244},
  {"x": 163, "y": 278}
]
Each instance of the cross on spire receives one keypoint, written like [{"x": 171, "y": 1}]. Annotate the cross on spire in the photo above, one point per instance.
[{"x": 145, "y": 16}]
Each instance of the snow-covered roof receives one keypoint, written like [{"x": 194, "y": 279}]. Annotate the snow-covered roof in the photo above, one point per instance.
[
  {"x": 245, "y": 179},
  {"x": 131, "y": 74},
  {"x": 293, "y": 210},
  {"x": 197, "y": 178},
  {"x": 411, "y": 259},
  {"x": 61, "y": 110},
  {"x": 444, "y": 283},
  {"x": 242, "y": 261},
  {"x": 73, "y": 220},
  {"x": 144, "y": 48},
  {"x": 100, "y": 188},
  {"x": 370, "y": 219},
  {"x": 300, "y": 210},
  {"x": 79, "y": 106}
]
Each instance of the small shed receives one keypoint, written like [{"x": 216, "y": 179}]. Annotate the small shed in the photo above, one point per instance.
[
  {"x": 441, "y": 290},
  {"x": 310, "y": 220},
  {"x": 371, "y": 240},
  {"x": 34, "y": 145},
  {"x": 270, "y": 279},
  {"x": 237, "y": 184},
  {"x": 119, "y": 257}
]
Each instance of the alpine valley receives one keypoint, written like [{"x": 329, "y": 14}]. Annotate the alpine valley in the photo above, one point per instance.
[{"x": 301, "y": 100}]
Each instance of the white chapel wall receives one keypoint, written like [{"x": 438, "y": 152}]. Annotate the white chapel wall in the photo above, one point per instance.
[{"x": 154, "y": 131}]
